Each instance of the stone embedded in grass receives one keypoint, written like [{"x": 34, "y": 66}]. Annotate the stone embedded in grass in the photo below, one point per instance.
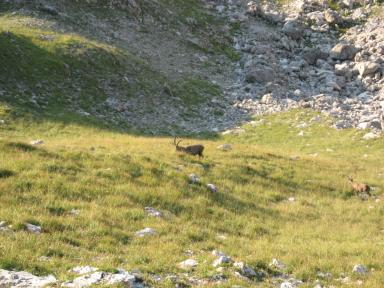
[
  {"x": 83, "y": 270},
  {"x": 225, "y": 147},
  {"x": 278, "y": 264},
  {"x": 291, "y": 283},
  {"x": 33, "y": 228},
  {"x": 122, "y": 277},
  {"x": 152, "y": 212},
  {"x": 24, "y": 279},
  {"x": 145, "y": 232},
  {"x": 75, "y": 212},
  {"x": 360, "y": 269},
  {"x": 37, "y": 142},
  {"x": 188, "y": 264},
  {"x": 301, "y": 133},
  {"x": 370, "y": 136},
  {"x": 287, "y": 284},
  {"x": 245, "y": 270},
  {"x": 323, "y": 275},
  {"x": 222, "y": 260},
  {"x": 194, "y": 179},
  {"x": 104, "y": 278},
  {"x": 85, "y": 281},
  {"x": 3, "y": 226},
  {"x": 212, "y": 188},
  {"x": 302, "y": 125}
]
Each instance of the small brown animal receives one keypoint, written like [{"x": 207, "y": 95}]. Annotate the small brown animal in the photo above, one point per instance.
[
  {"x": 360, "y": 187},
  {"x": 192, "y": 149}
]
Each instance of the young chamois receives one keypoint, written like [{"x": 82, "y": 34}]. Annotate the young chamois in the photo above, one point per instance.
[
  {"x": 192, "y": 149},
  {"x": 360, "y": 188}
]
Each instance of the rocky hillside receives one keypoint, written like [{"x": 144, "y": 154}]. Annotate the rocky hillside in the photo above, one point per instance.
[
  {"x": 154, "y": 66},
  {"x": 281, "y": 199},
  {"x": 188, "y": 67},
  {"x": 325, "y": 55}
]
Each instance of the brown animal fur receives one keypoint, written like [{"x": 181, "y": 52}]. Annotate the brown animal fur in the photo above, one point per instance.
[
  {"x": 359, "y": 187},
  {"x": 192, "y": 149}
]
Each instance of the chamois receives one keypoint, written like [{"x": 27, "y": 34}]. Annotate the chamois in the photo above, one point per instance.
[
  {"x": 192, "y": 149},
  {"x": 360, "y": 188}
]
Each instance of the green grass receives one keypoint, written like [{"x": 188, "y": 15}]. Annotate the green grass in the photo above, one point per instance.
[{"x": 110, "y": 177}]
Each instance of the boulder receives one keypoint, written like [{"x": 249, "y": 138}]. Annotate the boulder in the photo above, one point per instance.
[
  {"x": 312, "y": 55},
  {"x": 293, "y": 29},
  {"x": 343, "y": 51},
  {"x": 367, "y": 68},
  {"x": 332, "y": 17},
  {"x": 260, "y": 75}
]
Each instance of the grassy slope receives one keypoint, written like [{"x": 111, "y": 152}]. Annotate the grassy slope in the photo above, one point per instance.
[
  {"x": 55, "y": 74},
  {"x": 111, "y": 177}
]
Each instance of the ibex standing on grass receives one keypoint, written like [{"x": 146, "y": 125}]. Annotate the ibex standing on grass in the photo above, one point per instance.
[
  {"x": 192, "y": 149},
  {"x": 360, "y": 188}
]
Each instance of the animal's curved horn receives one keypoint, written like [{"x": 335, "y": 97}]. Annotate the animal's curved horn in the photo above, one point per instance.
[{"x": 178, "y": 143}]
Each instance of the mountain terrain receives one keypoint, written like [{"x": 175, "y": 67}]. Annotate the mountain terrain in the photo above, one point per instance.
[{"x": 287, "y": 98}]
